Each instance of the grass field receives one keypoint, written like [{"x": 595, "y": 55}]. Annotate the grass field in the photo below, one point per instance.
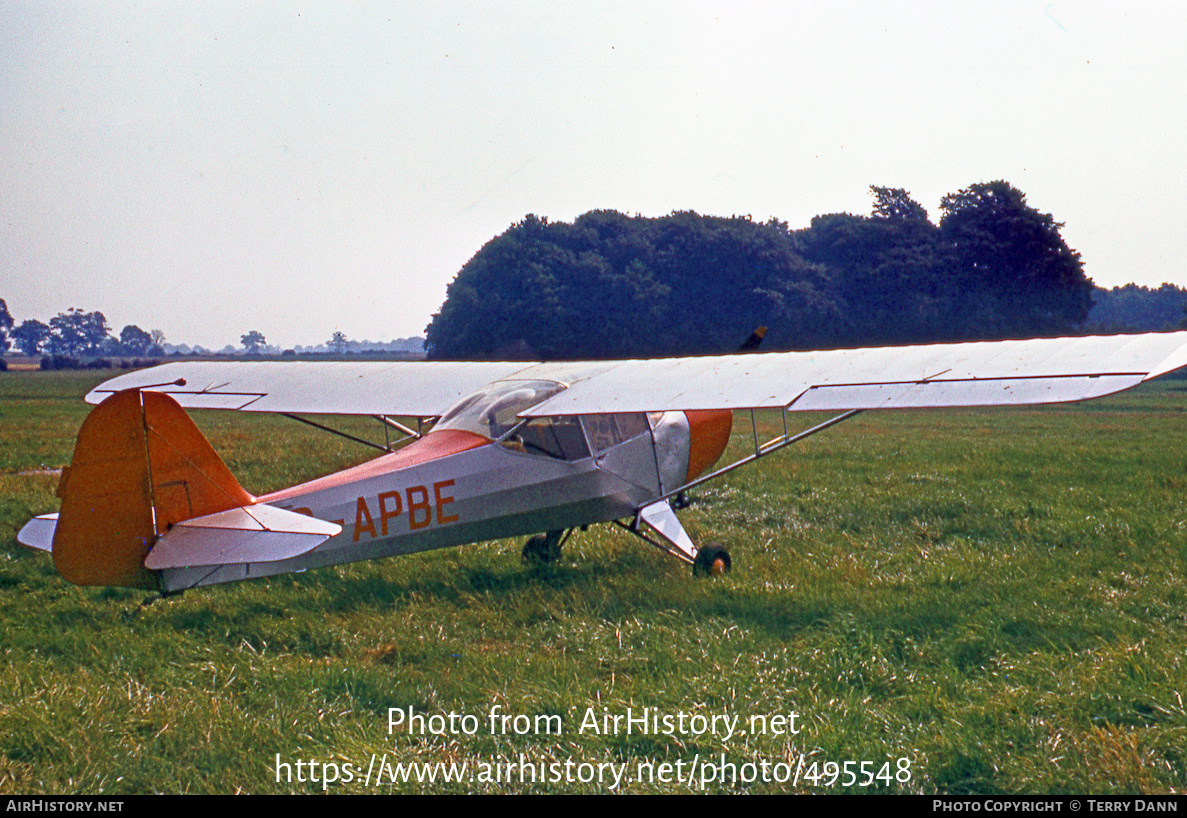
[{"x": 970, "y": 601}]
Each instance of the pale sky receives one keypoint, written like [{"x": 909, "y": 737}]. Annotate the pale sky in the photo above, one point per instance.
[{"x": 208, "y": 168}]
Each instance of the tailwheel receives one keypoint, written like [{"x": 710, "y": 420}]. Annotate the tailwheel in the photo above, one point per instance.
[
  {"x": 544, "y": 549},
  {"x": 711, "y": 560}
]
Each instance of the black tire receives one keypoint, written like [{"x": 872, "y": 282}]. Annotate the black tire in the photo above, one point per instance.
[
  {"x": 542, "y": 549},
  {"x": 712, "y": 560}
]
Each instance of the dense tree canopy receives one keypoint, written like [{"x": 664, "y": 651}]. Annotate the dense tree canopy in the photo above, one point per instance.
[
  {"x": 886, "y": 271},
  {"x": 31, "y": 337},
  {"x": 609, "y": 285},
  {"x": 1025, "y": 279},
  {"x": 134, "y": 341},
  {"x": 75, "y": 332},
  {"x": 1133, "y": 308}
]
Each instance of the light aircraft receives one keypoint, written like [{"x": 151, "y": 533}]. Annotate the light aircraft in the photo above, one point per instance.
[{"x": 501, "y": 449}]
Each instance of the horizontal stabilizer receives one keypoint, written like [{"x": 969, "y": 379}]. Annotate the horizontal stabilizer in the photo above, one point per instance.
[
  {"x": 258, "y": 533},
  {"x": 39, "y": 532}
]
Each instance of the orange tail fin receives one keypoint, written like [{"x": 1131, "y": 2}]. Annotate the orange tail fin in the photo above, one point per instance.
[{"x": 140, "y": 466}]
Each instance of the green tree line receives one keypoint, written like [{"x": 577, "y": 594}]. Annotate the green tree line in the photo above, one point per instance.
[
  {"x": 76, "y": 333},
  {"x": 1133, "y": 308},
  {"x": 611, "y": 285}
]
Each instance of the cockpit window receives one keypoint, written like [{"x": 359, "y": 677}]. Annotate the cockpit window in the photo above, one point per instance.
[
  {"x": 558, "y": 437},
  {"x": 607, "y": 431},
  {"x": 492, "y": 411}
]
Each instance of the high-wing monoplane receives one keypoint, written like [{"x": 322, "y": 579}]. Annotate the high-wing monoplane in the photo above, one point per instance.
[{"x": 498, "y": 449}]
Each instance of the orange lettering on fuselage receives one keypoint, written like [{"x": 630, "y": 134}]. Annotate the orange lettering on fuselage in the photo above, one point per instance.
[
  {"x": 442, "y": 502},
  {"x": 417, "y": 502},
  {"x": 360, "y": 512},
  {"x": 384, "y": 514},
  {"x": 415, "y": 506}
]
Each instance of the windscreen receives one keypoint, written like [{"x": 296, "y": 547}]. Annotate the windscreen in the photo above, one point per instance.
[{"x": 492, "y": 411}]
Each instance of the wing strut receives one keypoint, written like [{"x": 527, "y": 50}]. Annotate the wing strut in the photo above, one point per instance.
[
  {"x": 762, "y": 450},
  {"x": 413, "y": 433},
  {"x": 338, "y": 432},
  {"x": 388, "y": 425}
]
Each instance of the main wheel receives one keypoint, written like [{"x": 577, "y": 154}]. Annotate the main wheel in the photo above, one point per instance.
[
  {"x": 712, "y": 560},
  {"x": 542, "y": 549}
]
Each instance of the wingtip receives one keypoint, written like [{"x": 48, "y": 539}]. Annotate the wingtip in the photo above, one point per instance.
[{"x": 1176, "y": 360}]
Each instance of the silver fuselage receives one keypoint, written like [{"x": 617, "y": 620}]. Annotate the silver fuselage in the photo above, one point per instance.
[{"x": 483, "y": 493}]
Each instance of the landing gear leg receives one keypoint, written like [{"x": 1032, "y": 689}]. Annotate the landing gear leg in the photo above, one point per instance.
[
  {"x": 545, "y": 549},
  {"x": 712, "y": 559}
]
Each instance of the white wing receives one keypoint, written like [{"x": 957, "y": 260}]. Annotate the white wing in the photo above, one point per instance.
[{"x": 982, "y": 373}]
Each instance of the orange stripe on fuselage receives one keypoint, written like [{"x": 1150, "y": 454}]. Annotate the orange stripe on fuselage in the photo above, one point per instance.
[{"x": 432, "y": 446}]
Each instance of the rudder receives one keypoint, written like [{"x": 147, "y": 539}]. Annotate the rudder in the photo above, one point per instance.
[{"x": 140, "y": 466}]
